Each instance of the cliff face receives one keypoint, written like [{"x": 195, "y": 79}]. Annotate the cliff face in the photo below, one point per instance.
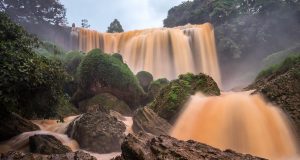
[{"x": 282, "y": 87}]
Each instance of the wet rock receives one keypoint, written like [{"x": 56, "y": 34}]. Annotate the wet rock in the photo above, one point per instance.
[
  {"x": 283, "y": 89},
  {"x": 47, "y": 144},
  {"x": 97, "y": 132},
  {"x": 107, "y": 101},
  {"x": 145, "y": 119},
  {"x": 145, "y": 78},
  {"x": 172, "y": 97},
  {"x": 11, "y": 124},
  {"x": 14, "y": 155},
  {"x": 149, "y": 147}
]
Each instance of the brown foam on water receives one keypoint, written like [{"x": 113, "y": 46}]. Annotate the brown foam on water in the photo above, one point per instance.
[{"x": 240, "y": 122}]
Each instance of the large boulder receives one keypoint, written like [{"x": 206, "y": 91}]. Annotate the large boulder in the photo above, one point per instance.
[
  {"x": 146, "y": 120},
  {"x": 172, "y": 97},
  {"x": 103, "y": 73},
  {"x": 47, "y": 144},
  {"x": 97, "y": 132},
  {"x": 107, "y": 101},
  {"x": 11, "y": 124},
  {"x": 148, "y": 147},
  {"x": 282, "y": 87},
  {"x": 14, "y": 155},
  {"x": 145, "y": 78}
]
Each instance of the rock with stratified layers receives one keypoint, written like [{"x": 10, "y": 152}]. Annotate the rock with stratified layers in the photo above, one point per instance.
[
  {"x": 47, "y": 144},
  {"x": 145, "y": 119},
  {"x": 148, "y": 147},
  {"x": 97, "y": 132},
  {"x": 14, "y": 155},
  {"x": 11, "y": 124}
]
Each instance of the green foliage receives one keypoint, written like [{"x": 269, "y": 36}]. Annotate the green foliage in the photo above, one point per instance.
[
  {"x": 30, "y": 84},
  {"x": 115, "y": 27},
  {"x": 118, "y": 56},
  {"x": 145, "y": 78},
  {"x": 173, "y": 96},
  {"x": 85, "y": 23},
  {"x": 35, "y": 11},
  {"x": 281, "y": 67},
  {"x": 99, "y": 71},
  {"x": 243, "y": 27},
  {"x": 72, "y": 61}
]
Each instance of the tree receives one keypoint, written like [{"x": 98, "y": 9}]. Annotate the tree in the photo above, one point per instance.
[
  {"x": 35, "y": 11},
  {"x": 30, "y": 84},
  {"x": 85, "y": 23},
  {"x": 115, "y": 27}
]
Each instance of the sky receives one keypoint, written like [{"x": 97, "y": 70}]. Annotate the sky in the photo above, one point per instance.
[{"x": 133, "y": 14}]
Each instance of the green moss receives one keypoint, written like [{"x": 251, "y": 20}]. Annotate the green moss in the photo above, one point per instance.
[
  {"x": 107, "y": 101},
  {"x": 155, "y": 87},
  {"x": 173, "y": 96},
  {"x": 281, "y": 67},
  {"x": 100, "y": 72},
  {"x": 118, "y": 56}
]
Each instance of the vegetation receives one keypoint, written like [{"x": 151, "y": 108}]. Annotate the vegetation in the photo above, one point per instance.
[
  {"x": 115, "y": 27},
  {"x": 172, "y": 97},
  {"x": 243, "y": 27},
  {"x": 36, "y": 12},
  {"x": 30, "y": 84},
  {"x": 145, "y": 78},
  {"x": 118, "y": 56},
  {"x": 289, "y": 62},
  {"x": 99, "y": 71},
  {"x": 85, "y": 23}
]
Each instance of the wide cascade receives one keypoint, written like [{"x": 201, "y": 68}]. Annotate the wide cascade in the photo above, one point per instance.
[
  {"x": 164, "y": 52},
  {"x": 240, "y": 122}
]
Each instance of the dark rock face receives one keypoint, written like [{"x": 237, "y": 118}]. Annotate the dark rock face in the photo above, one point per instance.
[
  {"x": 79, "y": 155},
  {"x": 149, "y": 147},
  {"x": 105, "y": 100},
  {"x": 11, "y": 124},
  {"x": 172, "y": 97},
  {"x": 145, "y": 119},
  {"x": 283, "y": 89},
  {"x": 155, "y": 87},
  {"x": 47, "y": 144},
  {"x": 97, "y": 132}
]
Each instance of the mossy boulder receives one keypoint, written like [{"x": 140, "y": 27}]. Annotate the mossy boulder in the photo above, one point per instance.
[
  {"x": 156, "y": 86},
  {"x": 102, "y": 73},
  {"x": 72, "y": 61},
  {"x": 172, "y": 97},
  {"x": 118, "y": 56},
  {"x": 106, "y": 101},
  {"x": 145, "y": 78}
]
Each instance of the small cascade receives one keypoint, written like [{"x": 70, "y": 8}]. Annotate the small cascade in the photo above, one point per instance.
[{"x": 240, "y": 122}]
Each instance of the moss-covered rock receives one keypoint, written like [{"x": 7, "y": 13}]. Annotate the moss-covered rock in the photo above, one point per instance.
[
  {"x": 72, "y": 61},
  {"x": 103, "y": 73},
  {"x": 155, "y": 87},
  {"x": 145, "y": 78},
  {"x": 173, "y": 97},
  {"x": 106, "y": 101},
  {"x": 118, "y": 56}
]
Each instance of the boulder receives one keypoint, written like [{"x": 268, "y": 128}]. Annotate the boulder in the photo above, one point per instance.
[
  {"x": 172, "y": 97},
  {"x": 155, "y": 87},
  {"x": 145, "y": 78},
  {"x": 148, "y": 147},
  {"x": 97, "y": 132},
  {"x": 11, "y": 124},
  {"x": 107, "y": 101},
  {"x": 146, "y": 120},
  {"x": 47, "y": 144},
  {"x": 14, "y": 155},
  {"x": 99, "y": 72}
]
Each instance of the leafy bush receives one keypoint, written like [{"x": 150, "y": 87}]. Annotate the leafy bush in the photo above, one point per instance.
[{"x": 30, "y": 84}]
